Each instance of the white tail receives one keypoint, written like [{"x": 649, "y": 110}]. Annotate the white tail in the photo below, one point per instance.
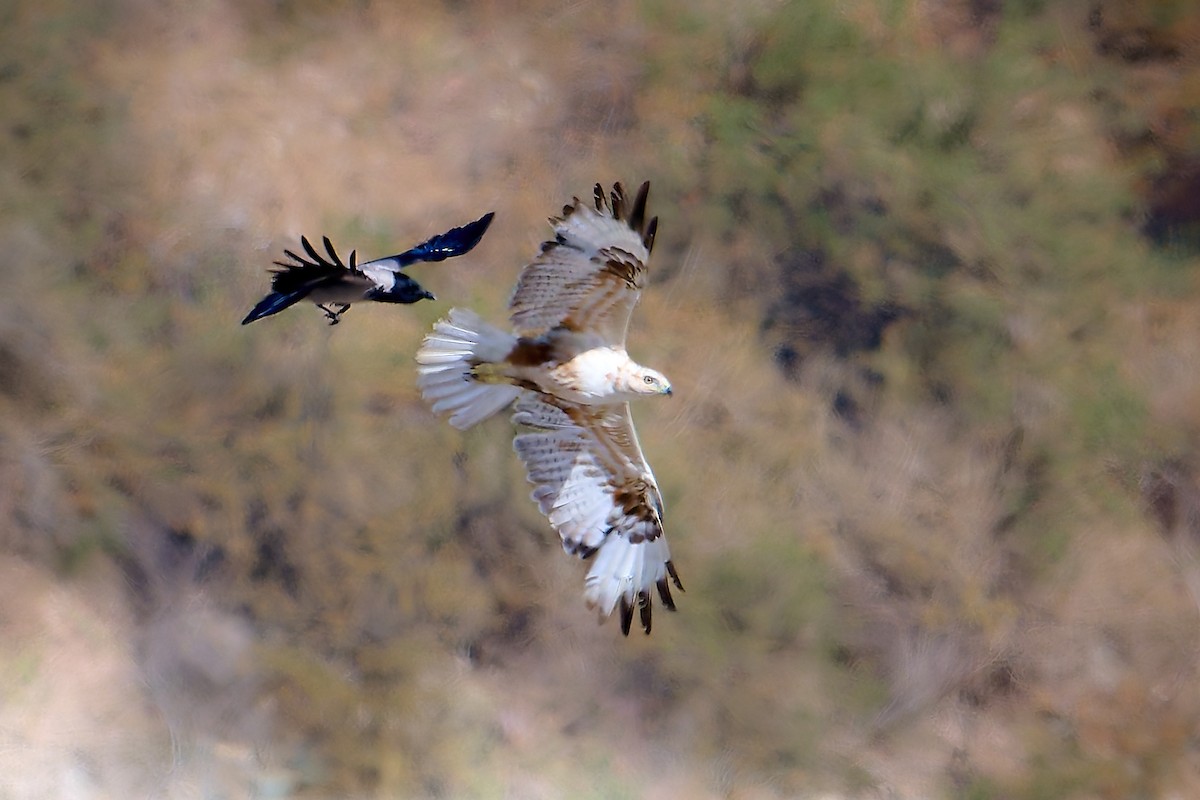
[{"x": 458, "y": 343}]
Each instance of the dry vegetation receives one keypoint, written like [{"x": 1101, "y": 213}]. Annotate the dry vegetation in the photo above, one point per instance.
[{"x": 926, "y": 288}]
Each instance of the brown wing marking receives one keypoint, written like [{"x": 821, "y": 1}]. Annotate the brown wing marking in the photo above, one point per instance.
[
  {"x": 568, "y": 448},
  {"x": 530, "y": 353},
  {"x": 621, "y": 274},
  {"x": 638, "y": 498},
  {"x": 589, "y": 277}
]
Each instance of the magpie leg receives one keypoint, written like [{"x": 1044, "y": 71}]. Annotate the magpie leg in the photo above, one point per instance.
[
  {"x": 342, "y": 309},
  {"x": 333, "y": 318}
]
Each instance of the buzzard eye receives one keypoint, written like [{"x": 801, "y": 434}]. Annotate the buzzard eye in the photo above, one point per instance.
[{"x": 649, "y": 379}]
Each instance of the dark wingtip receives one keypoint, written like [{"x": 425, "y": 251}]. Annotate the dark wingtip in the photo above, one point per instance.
[
  {"x": 664, "y": 594},
  {"x": 318, "y": 260},
  {"x": 648, "y": 236},
  {"x": 637, "y": 217},
  {"x": 471, "y": 233},
  {"x": 617, "y": 200},
  {"x": 626, "y": 615},
  {"x": 333, "y": 256},
  {"x": 475, "y": 231},
  {"x": 454, "y": 242},
  {"x": 674, "y": 575},
  {"x": 308, "y": 248},
  {"x": 644, "y": 610}
]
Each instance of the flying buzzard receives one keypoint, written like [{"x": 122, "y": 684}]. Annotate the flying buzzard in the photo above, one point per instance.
[
  {"x": 330, "y": 282},
  {"x": 566, "y": 369}
]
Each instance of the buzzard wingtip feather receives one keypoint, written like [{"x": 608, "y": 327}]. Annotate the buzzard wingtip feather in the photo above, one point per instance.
[
  {"x": 670, "y": 565},
  {"x": 637, "y": 217},
  {"x": 618, "y": 201},
  {"x": 645, "y": 610},
  {"x": 664, "y": 594},
  {"x": 648, "y": 236},
  {"x": 626, "y": 616}
]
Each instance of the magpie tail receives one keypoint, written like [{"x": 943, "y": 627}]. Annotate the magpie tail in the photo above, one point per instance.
[{"x": 273, "y": 304}]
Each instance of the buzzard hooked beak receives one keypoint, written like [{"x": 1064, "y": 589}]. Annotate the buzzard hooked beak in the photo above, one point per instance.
[{"x": 667, "y": 391}]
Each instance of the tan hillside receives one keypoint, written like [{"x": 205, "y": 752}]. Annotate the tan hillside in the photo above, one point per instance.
[{"x": 926, "y": 289}]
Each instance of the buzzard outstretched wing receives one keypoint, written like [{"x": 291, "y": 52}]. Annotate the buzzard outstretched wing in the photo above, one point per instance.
[
  {"x": 590, "y": 275},
  {"x": 594, "y": 485}
]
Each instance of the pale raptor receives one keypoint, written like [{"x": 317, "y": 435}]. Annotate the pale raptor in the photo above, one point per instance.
[{"x": 565, "y": 368}]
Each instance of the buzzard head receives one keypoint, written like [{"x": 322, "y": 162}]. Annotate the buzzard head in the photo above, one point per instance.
[{"x": 644, "y": 381}]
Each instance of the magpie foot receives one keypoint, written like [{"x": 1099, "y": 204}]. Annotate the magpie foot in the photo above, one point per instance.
[{"x": 330, "y": 314}]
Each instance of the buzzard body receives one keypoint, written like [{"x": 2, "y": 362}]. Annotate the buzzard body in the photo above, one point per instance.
[{"x": 565, "y": 368}]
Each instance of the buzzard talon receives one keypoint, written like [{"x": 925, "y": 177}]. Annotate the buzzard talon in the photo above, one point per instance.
[
  {"x": 567, "y": 374},
  {"x": 326, "y": 280}
]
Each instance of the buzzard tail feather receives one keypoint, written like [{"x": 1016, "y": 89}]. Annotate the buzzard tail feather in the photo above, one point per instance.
[{"x": 448, "y": 358}]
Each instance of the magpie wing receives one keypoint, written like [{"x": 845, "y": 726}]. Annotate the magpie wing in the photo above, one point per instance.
[{"x": 454, "y": 242}]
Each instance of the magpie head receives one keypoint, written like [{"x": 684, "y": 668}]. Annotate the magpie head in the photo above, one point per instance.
[{"x": 405, "y": 290}]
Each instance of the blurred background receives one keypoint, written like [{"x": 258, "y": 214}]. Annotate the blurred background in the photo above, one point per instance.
[{"x": 926, "y": 286}]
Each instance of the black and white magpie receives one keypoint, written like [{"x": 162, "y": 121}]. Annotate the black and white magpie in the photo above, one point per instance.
[{"x": 333, "y": 286}]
